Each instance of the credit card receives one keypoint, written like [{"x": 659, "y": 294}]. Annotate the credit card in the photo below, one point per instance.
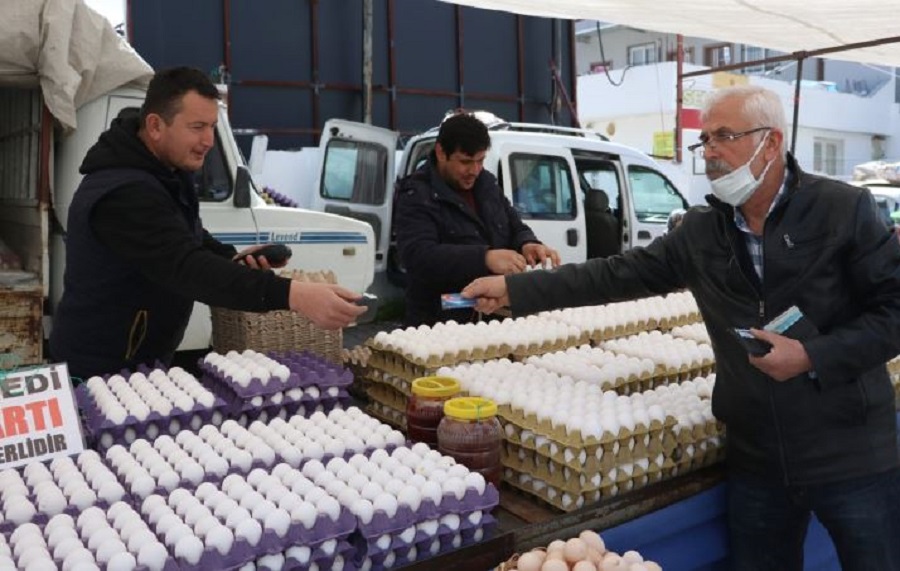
[{"x": 456, "y": 301}]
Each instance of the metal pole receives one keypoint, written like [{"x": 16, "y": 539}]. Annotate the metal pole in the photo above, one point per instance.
[
  {"x": 796, "y": 106},
  {"x": 679, "y": 94},
  {"x": 367, "y": 61}
]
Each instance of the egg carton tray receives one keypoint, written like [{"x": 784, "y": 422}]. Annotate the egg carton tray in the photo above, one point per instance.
[
  {"x": 318, "y": 556},
  {"x": 102, "y": 433},
  {"x": 306, "y": 370},
  {"x": 314, "y": 370}
]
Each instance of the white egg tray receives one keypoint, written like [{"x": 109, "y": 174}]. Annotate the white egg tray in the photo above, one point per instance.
[
  {"x": 252, "y": 374},
  {"x": 39, "y": 491},
  {"x": 601, "y": 322},
  {"x": 238, "y": 523},
  {"x": 156, "y": 402},
  {"x": 116, "y": 539}
]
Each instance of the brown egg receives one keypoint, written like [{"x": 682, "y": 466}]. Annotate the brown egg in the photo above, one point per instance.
[
  {"x": 554, "y": 565},
  {"x": 584, "y": 566},
  {"x": 557, "y": 545},
  {"x": 593, "y": 540},
  {"x": 529, "y": 562},
  {"x": 575, "y": 550}
]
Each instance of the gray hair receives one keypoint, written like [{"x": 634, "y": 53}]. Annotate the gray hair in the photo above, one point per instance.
[{"x": 761, "y": 106}]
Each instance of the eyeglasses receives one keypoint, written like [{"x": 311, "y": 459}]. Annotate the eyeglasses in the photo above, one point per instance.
[{"x": 713, "y": 140}]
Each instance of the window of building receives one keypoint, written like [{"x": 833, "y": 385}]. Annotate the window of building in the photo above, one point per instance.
[
  {"x": 642, "y": 54},
  {"x": 753, "y": 53},
  {"x": 688, "y": 55},
  {"x": 828, "y": 156},
  {"x": 542, "y": 187},
  {"x": 718, "y": 55},
  {"x": 354, "y": 171}
]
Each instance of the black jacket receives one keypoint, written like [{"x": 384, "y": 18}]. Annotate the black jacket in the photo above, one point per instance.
[
  {"x": 826, "y": 252},
  {"x": 442, "y": 243},
  {"x": 137, "y": 257}
]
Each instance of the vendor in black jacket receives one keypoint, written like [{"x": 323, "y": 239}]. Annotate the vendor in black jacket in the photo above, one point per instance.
[
  {"x": 811, "y": 424},
  {"x": 137, "y": 256},
  {"x": 453, "y": 224}
]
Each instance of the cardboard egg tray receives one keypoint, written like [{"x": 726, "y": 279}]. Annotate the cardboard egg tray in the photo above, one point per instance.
[
  {"x": 387, "y": 415},
  {"x": 578, "y": 481}
]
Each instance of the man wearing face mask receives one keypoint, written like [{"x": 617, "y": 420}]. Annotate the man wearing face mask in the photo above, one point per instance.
[{"x": 810, "y": 412}]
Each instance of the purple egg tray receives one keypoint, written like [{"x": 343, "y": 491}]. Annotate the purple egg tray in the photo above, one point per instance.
[
  {"x": 313, "y": 370},
  {"x": 307, "y": 370},
  {"x": 318, "y": 556}
]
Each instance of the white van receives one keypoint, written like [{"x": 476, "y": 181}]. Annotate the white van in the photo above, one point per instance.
[{"x": 581, "y": 194}]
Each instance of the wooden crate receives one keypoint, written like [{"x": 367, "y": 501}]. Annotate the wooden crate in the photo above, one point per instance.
[{"x": 21, "y": 314}]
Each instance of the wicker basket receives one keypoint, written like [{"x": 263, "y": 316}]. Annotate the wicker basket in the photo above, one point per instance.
[{"x": 276, "y": 330}]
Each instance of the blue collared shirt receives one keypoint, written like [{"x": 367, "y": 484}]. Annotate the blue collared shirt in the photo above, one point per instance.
[{"x": 753, "y": 241}]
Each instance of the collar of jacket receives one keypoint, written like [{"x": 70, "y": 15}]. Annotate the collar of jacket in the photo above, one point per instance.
[
  {"x": 794, "y": 173},
  {"x": 443, "y": 192}
]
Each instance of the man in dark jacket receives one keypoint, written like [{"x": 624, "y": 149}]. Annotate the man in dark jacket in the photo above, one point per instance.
[
  {"x": 453, "y": 224},
  {"x": 811, "y": 424},
  {"x": 137, "y": 256}
]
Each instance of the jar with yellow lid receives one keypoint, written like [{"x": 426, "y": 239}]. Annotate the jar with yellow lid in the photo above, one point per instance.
[
  {"x": 425, "y": 408},
  {"x": 471, "y": 434}
]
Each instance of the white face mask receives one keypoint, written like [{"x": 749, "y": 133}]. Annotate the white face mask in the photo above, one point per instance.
[{"x": 736, "y": 187}]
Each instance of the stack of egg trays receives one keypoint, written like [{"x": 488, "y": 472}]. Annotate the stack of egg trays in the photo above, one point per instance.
[
  {"x": 302, "y": 558},
  {"x": 102, "y": 433},
  {"x": 12, "y": 481},
  {"x": 270, "y": 543},
  {"x": 260, "y": 400},
  {"x": 408, "y": 542}
]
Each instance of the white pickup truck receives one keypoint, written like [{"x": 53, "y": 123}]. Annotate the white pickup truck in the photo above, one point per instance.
[{"x": 39, "y": 163}]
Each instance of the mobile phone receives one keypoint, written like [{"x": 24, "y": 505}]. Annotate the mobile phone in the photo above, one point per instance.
[
  {"x": 753, "y": 346},
  {"x": 370, "y": 302},
  {"x": 275, "y": 254},
  {"x": 456, "y": 301}
]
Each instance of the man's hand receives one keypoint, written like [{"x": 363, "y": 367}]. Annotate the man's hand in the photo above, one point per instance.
[
  {"x": 785, "y": 360},
  {"x": 247, "y": 258},
  {"x": 539, "y": 254},
  {"x": 490, "y": 293},
  {"x": 328, "y": 306},
  {"x": 502, "y": 262}
]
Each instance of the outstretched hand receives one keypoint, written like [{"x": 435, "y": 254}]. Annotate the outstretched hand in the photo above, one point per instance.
[
  {"x": 490, "y": 293},
  {"x": 327, "y": 305},
  {"x": 539, "y": 255},
  {"x": 786, "y": 359}
]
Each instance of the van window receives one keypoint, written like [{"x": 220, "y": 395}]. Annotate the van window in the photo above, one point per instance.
[
  {"x": 354, "y": 171},
  {"x": 653, "y": 195},
  {"x": 600, "y": 175},
  {"x": 419, "y": 155},
  {"x": 212, "y": 183},
  {"x": 542, "y": 187}
]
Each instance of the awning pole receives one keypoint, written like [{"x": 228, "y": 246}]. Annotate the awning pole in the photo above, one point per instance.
[{"x": 796, "y": 105}]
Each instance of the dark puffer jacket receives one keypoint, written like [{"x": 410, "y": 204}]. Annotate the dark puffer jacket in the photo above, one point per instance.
[
  {"x": 442, "y": 243},
  {"x": 137, "y": 257},
  {"x": 825, "y": 252}
]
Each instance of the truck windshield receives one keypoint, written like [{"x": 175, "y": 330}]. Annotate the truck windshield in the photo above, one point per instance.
[
  {"x": 654, "y": 196},
  {"x": 213, "y": 182}
]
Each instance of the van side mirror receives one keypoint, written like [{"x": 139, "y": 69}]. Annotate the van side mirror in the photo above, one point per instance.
[{"x": 242, "y": 188}]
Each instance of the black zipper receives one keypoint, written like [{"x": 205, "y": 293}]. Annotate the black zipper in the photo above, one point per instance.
[{"x": 761, "y": 315}]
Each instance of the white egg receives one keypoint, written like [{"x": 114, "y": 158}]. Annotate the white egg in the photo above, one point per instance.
[
  {"x": 249, "y": 530},
  {"x": 364, "y": 510},
  {"x": 189, "y": 548},
  {"x": 152, "y": 555},
  {"x": 219, "y": 538}
]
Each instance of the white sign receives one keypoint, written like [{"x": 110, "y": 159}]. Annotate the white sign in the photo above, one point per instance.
[{"x": 38, "y": 415}]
